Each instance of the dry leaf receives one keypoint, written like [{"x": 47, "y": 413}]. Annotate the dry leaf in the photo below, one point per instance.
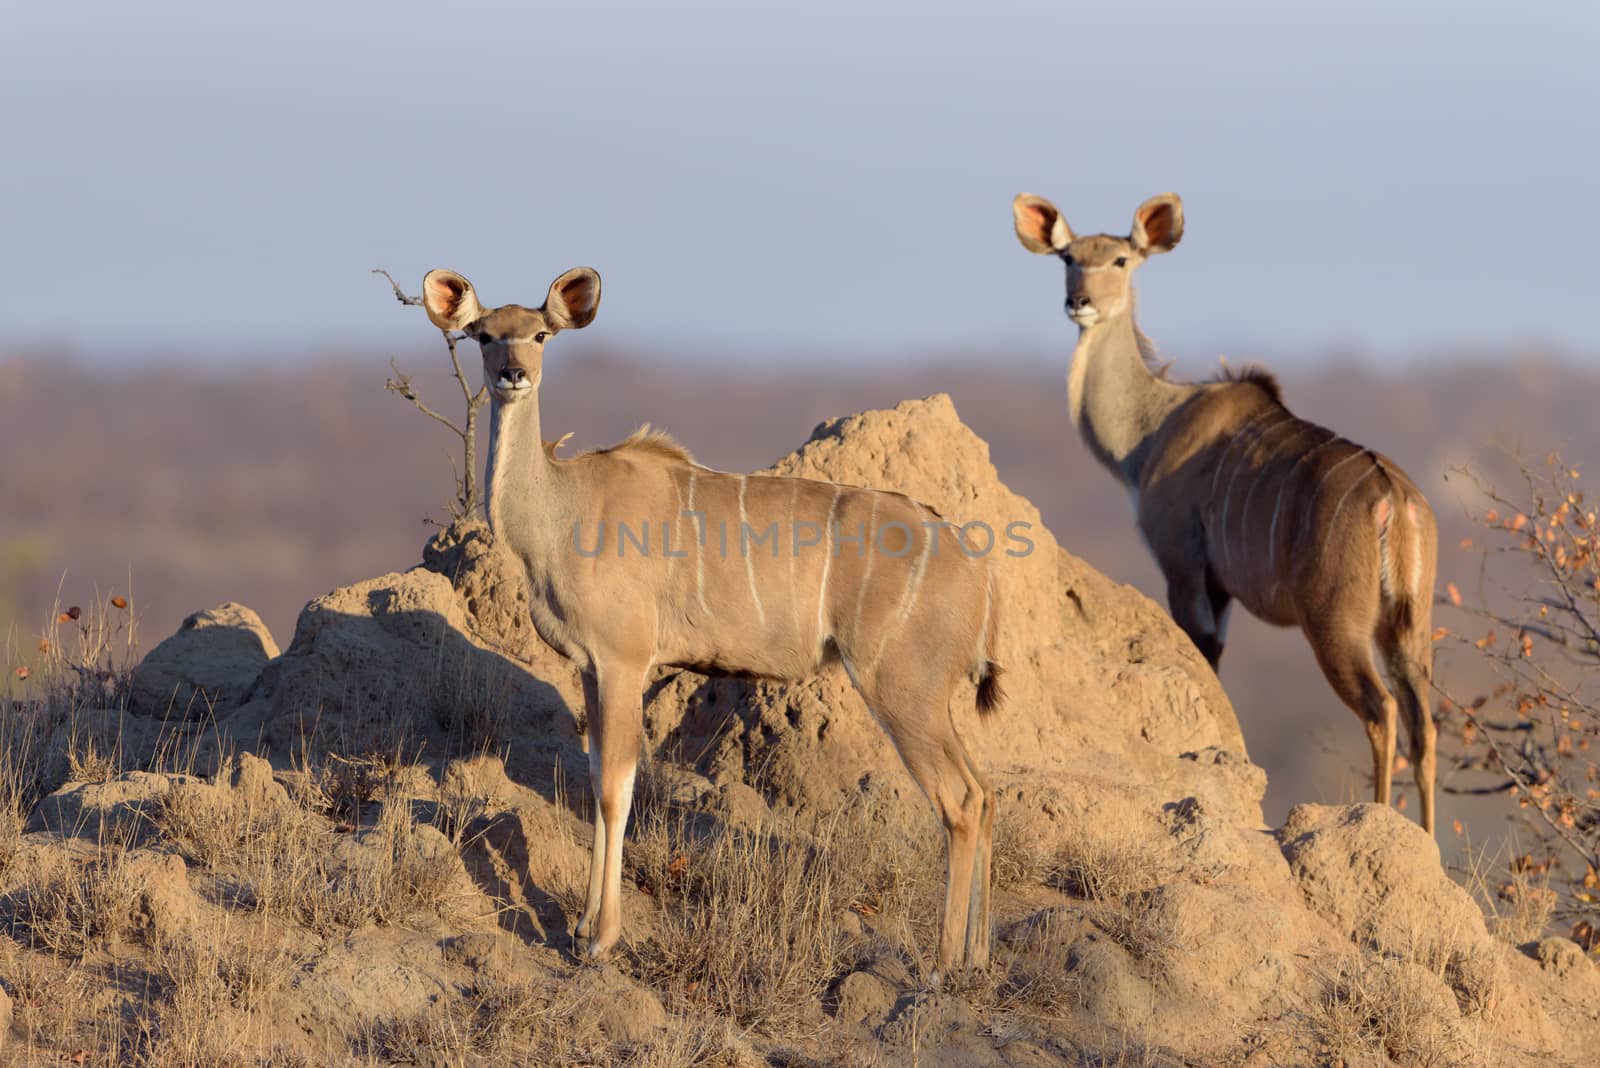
[
  {"x": 1441, "y": 633},
  {"x": 1455, "y": 594},
  {"x": 1455, "y": 825},
  {"x": 119, "y": 602},
  {"x": 1400, "y": 763},
  {"x": 23, "y": 672},
  {"x": 679, "y": 865}
]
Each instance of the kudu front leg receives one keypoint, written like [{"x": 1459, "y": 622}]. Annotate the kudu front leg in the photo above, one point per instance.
[
  {"x": 1200, "y": 613},
  {"x": 615, "y": 731}
]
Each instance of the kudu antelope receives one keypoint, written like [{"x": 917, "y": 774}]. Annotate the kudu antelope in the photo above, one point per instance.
[
  {"x": 631, "y": 563},
  {"x": 1237, "y": 498}
]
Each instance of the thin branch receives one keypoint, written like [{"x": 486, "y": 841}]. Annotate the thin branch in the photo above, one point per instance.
[
  {"x": 1572, "y": 841},
  {"x": 399, "y": 294},
  {"x": 401, "y": 384}
]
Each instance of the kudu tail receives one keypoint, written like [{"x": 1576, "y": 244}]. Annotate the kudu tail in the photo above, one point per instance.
[
  {"x": 991, "y": 695},
  {"x": 1402, "y": 562},
  {"x": 1406, "y": 548}
]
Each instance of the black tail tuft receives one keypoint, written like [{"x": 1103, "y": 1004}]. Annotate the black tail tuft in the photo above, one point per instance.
[{"x": 991, "y": 695}]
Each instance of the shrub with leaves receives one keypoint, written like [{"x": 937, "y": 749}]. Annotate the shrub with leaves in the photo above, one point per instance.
[{"x": 1532, "y": 735}]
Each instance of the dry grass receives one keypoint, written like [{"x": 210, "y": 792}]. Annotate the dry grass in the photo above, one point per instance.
[
  {"x": 1387, "y": 1008},
  {"x": 749, "y": 926},
  {"x": 1039, "y": 982},
  {"x": 545, "y": 1021},
  {"x": 1515, "y": 895},
  {"x": 70, "y": 906},
  {"x": 1016, "y": 858},
  {"x": 1105, "y": 863},
  {"x": 283, "y": 859}
]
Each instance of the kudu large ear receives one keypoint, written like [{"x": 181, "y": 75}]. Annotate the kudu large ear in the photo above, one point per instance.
[
  {"x": 449, "y": 300},
  {"x": 1158, "y": 224},
  {"x": 1040, "y": 226},
  {"x": 573, "y": 299}
]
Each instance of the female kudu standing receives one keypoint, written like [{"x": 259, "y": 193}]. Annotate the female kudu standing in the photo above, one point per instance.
[{"x": 1237, "y": 498}]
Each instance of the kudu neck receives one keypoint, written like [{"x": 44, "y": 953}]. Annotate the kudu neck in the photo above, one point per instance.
[
  {"x": 1116, "y": 401},
  {"x": 519, "y": 470}
]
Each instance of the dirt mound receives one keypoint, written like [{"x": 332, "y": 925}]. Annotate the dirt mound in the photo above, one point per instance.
[
  {"x": 397, "y": 663},
  {"x": 206, "y": 668},
  {"x": 1090, "y": 666}
]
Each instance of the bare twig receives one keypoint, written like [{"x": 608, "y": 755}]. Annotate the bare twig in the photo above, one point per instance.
[
  {"x": 399, "y": 294},
  {"x": 466, "y": 500},
  {"x": 401, "y": 384}
]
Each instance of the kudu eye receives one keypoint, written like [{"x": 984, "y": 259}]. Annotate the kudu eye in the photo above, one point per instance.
[
  {"x": 540, "y": 336},
  {"x": 1121, "y": 261}
]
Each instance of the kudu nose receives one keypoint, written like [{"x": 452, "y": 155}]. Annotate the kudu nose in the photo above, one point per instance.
[
  {"x": 514, "y": 375},
  {"x": 1077, "y": 301}
]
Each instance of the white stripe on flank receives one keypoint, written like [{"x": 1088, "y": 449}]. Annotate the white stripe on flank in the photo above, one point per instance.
[
  {"x": 1416, "y": 549},
  {"x": 1385, "y": 568},
  {"x": 983, "y": 627},
  {"x": 1277, "y": 508},
  {"x": 749, "y": 564},
  {"x": 794, "y": 588},
  {"x": 1222, "y": 525},
  {"x": 827, "y": 564},
  {"x": 1340, "y": 506},
  {"x": 1244, "y": 508},
  {"x": 699, "y": 552},
  {"x": 909, "y": 599},
  {"x": 1327, "y": 475},
  {"x": 1222, "y": 461},
  {"x": 871, "y": 548}
]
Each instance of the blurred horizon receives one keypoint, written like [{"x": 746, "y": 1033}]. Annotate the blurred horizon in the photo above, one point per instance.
[{"x": 273, "y": 485}]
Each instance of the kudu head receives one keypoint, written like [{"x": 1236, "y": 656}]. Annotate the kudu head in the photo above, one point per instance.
[
  {"x": 511, "y": 337},
  {"x": 1099, "y": 267}
]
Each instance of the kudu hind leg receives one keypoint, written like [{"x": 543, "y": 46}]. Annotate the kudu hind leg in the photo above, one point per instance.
[
  {"x": 1346, "y": 662},
  {"x": 979, "y": 924},
  {"x": 1410, "y": 674},
  {"x": 964, "y": 806}
]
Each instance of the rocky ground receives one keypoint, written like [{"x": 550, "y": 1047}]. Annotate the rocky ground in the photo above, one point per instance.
[{"x": 370, "y": 848}]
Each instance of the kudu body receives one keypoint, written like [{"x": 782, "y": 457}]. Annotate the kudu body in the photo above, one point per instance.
[
  {"x": 1239, "y": 499},
  {"x": 637, "y": 557}
]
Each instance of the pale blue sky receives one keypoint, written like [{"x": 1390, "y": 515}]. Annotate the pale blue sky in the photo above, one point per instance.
[{"x": 820, "y": 178}]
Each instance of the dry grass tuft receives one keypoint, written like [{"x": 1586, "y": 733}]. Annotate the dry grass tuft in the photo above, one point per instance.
[
  {"x": 750, "y": 919},
  {"x": 285, "y": 860},
  {"x": 1515, "y": 895},
  {"x": 1390, "y": 1009},
  {"x": 70, "y": 907},
  {"x": 1016, "y": 858},
  {"x": 545, "y": 1021},
  {"x": 1039, "y": 982},
  {"x": 1105, "y": 864}
]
